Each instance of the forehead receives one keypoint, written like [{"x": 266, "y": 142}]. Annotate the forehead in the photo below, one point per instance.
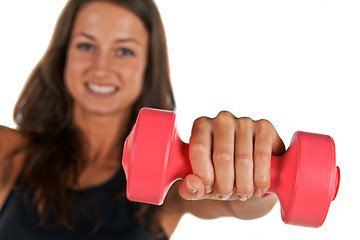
[{"x": 107, "y": 20}]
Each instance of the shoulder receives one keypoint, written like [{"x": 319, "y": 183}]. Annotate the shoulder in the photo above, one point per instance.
[
  {"x": 10, "y": 162},
  {"x": 10, "y": 140}
]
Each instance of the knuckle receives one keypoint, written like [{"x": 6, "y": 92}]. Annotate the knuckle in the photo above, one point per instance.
[
  {"x": 245, "y": 122},
  {"x": 225, "y": 114},
  {"x": 222, "y": 157},
  {"x": 264, "y": 124},
  {"x": 224, "y": 117},
  {"x": 262, "y": 157},
  {"x": 243, "y": 159},
  {"x": 201, "y": 121},
  {"x": 198, "y": 149}
]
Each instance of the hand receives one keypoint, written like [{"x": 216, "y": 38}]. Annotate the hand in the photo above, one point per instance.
[{"x": 230, "y": 158}]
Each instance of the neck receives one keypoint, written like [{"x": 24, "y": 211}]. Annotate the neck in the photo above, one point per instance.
[{"x": 104, "y": 133}]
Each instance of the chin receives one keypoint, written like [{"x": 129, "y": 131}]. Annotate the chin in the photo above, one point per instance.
[{"x": 108, "y": 111}]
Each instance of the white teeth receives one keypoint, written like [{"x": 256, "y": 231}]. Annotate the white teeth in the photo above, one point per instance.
[{"x": 101, "y": 89}]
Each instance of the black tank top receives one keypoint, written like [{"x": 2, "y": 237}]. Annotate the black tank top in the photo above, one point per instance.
[{"x": 19, "y": 220}]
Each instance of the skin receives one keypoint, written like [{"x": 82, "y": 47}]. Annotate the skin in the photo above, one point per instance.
[
  {"x": 112, "y": 56},
  {"x": 230, "y": 156}
]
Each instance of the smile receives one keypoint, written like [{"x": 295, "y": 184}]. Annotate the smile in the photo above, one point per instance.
[{"x": 106, "y": 89}]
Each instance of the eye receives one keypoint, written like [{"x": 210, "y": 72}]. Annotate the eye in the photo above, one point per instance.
[
  {"x": 124, "y": 52},
  {"x": 85, "y": 46}
]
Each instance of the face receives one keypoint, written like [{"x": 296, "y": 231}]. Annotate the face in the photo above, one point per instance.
[{"x": 106, "y": 59}]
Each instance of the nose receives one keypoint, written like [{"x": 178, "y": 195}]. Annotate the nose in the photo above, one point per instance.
[{"x": 102, "y": 66}]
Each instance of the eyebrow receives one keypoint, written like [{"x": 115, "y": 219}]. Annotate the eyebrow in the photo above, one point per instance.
[{"x": 121, "y": 40}]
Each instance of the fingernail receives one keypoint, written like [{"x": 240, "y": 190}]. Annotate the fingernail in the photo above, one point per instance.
[
  {"x": 224, "y": 196},
  {"x": 243, "y": 197},
  {"x": 208, "y": 189},
  {"x": 192, "y": 189},
  {"x": 265, "y": 195},
  {"x": 258, "y": 192}
]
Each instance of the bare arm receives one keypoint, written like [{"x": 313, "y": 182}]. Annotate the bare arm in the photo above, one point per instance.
[
  {"x": 175, "y": 207},
  {"x": 10, "y": 166},
  {"x": 253, "y": 208}
]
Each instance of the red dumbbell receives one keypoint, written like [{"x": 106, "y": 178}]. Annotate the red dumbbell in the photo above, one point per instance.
[{"x": 305, "y": 178}]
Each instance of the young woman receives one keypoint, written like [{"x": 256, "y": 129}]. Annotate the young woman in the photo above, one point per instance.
[{"x": 60, "y": 170}]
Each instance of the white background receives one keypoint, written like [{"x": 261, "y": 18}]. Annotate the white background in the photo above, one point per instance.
[{"x": 295, "y": 63}]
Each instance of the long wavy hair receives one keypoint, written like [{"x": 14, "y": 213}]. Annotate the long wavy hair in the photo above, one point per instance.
[{"x": 44, "y": 112}]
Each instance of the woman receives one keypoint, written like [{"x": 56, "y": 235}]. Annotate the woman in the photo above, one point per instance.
[{"x": 60, "y": 171}]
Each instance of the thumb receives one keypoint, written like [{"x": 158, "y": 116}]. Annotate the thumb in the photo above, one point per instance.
[{"x": 191, "y": 188}]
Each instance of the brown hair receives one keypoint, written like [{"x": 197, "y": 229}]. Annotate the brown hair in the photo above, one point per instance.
[{"x": 44, "y": 111}]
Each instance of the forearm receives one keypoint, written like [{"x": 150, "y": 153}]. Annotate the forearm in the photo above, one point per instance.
[
  {"x": 175, "y": 207},
  {"x": 252, "y": 208}
]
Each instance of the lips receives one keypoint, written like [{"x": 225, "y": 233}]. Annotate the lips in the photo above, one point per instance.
[{"x": 101, "y": 89}]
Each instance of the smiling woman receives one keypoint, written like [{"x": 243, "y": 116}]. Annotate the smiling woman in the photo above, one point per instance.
[
  {"x": 60, "y": 171},
  {"x": 105, "y": 66}
]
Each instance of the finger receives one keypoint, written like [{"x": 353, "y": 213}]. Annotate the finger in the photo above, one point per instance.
[
  {"x": 191, "y": 188},
  {"x": 244, "y": 158},
  {"x": 223, "y": 154},
  {"x": 200, "y": 148},
  {"x": 278, "y": 146},
  {"x": 263, "y": 148},
  {"x": 262, "y": 164}
]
